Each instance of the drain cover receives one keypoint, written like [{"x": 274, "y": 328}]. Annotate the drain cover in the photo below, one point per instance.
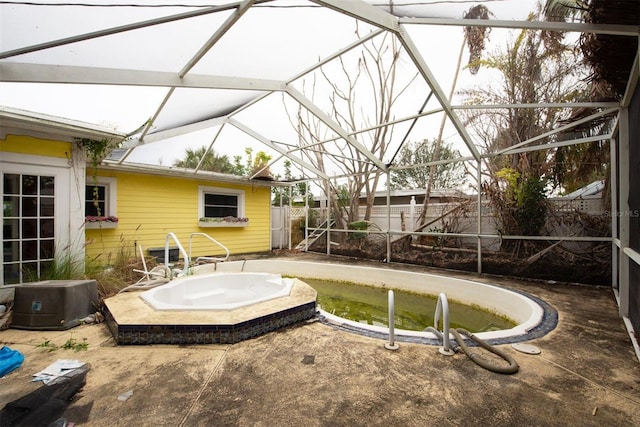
[{"x": 526, "y": 348}]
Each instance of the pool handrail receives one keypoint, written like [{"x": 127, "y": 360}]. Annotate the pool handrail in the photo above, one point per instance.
[
  {"x": 442, "y": 307},
  {"x": 391, "y": 345},
  {"x": 185, "y": 256},
  {"x": 214, "y": 259}
]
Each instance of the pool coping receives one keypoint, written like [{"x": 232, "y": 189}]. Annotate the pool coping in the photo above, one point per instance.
[
  {"x": 548, "y": 323},
  {"x": 539, "y": 319}
]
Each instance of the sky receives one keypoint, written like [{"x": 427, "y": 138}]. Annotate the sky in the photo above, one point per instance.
[{"x": 126, "y": 108}]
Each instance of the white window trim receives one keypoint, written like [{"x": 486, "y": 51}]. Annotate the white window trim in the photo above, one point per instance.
[{"x": 218, "y": 190}]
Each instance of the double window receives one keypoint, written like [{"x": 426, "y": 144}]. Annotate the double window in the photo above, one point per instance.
[{"x": 216, "y": 202}]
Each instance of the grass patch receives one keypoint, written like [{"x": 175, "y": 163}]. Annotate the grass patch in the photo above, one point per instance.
[
  {"x": 73, "y": 344},
  {"x": 47, "y": 345},
  {"x": 70, "y": 344},
  {"x": 112, "y": 271}
]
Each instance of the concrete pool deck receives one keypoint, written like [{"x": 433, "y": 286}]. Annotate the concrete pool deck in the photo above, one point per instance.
[{"x": 315, "y": 375}]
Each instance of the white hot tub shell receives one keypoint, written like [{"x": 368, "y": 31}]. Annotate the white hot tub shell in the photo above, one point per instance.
[{"x": 217, "y": 291}]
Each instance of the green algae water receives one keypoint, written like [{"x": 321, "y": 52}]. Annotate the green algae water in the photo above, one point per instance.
[{"x": 413, "y": 311}]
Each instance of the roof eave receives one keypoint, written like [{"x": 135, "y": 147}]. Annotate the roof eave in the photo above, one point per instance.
[
  {"x": 21, "y": 122},
  {"x": 171, "y": 171}
]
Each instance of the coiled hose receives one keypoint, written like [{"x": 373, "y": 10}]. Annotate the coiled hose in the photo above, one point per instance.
[{"x": 512, "y": 366}]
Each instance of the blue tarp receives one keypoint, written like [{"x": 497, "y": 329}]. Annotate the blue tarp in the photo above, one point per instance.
[{"x": 9, "y": 360}]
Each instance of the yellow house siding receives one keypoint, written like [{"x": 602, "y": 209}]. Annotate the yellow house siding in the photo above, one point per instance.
[
  {"x": 149, "y": 207},
  {"x": 35, "y": 146}
]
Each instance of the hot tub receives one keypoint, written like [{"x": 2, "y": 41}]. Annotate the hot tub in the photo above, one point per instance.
[{"x": 217, "y": 291}]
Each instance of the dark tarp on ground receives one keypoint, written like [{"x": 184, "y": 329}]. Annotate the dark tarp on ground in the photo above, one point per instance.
[{"x": 46, "y": 404}]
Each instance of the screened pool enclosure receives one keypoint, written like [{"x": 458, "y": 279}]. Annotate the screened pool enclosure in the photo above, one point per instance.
[{"x": 338, "y": 98}]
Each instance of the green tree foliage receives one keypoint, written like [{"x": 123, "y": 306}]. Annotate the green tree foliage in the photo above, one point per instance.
[
  {"x": 259, "y": 164},
  {"x": 251, "y": 165},
  {"x": 533, "y": 68},
  {"x": 609, "y": 56},
  {"x": 579, "y": 165},
  {"x": 449, "y": 175},
  {"x": 206, "y": 159},
  {"x": 609, "y": 59},
  {"x": 522, "y": 206},
  {"x": 238, "y": 167}
]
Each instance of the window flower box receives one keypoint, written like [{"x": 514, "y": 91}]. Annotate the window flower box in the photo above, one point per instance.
[
  {"x": 227, "y": 221},
  {"x": 94, "y": 222}
]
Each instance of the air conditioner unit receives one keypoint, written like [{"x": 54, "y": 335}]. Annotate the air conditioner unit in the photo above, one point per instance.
[{"x": 53, "y": 304}]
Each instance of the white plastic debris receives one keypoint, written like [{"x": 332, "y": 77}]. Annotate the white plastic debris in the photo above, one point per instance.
[
  {"x": 57, "y": 369},
  {"x": 123, "y": 397},
  {"x": 526, "y": 348},
  {"x": 89, "y": 319}
]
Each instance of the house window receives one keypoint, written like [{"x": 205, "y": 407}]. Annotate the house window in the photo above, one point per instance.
[
  {"x": 28, "y": 226},
  {"x": 100, "y": 198},
  {"x": 95, "y": 200},
  {"x": 220, "y": 202}
]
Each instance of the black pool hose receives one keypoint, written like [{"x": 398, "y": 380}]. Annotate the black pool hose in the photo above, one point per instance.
[{"x": 512, "y": 366}]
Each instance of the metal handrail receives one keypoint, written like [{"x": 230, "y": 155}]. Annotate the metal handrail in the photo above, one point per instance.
[
  {"x": 172, "y": 235},
  {"x": 215, "y": 259},
  {"x": 442, "y": 307},
  {"x": 391, "y": 345}
]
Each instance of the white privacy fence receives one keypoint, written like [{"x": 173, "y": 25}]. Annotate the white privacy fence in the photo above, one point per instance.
[{"x": 443, "y": 217}]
